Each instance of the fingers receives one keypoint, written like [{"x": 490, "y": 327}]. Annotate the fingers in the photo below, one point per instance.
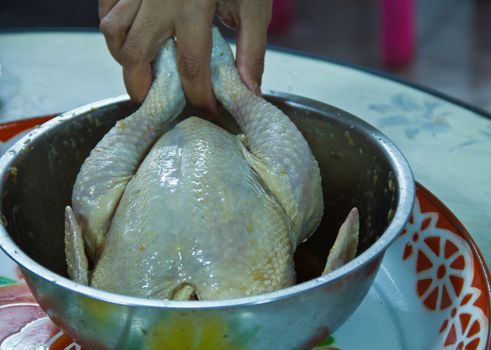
[
  {"x": 228, "y": 13},
  {"x": 135, "y": 29},
  {"x": 117, "y": 18},
  {"x": 193, "y": 32},
  {"x": 252, "y": 40},
  {"x": 138, "y": 80},
  {"x": 105, "y": 6},
  {"x": 116, "y": 22},
  {"x": 151, "y": 26}
]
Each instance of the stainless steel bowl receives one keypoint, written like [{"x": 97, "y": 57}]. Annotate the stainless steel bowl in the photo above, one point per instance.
[{"x": 359, "y": 166}]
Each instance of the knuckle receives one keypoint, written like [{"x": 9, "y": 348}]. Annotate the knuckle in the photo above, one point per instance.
[
  {"x": 189, "y": 8},
  {"x": 131, "y": 53},
  {"x": 108, "y": 26},
  {"x": 191, "y": 66},
  {"x": 147, "y": 24}
]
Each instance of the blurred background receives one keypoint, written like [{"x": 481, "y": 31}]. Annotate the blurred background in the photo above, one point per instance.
[{"x": 441, "y": 44}]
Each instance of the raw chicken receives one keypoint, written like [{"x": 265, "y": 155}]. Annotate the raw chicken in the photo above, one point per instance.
[{"x": 191, "y": 210}]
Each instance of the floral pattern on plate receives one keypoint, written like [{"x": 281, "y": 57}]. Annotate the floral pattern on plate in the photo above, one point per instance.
[
  {"x": 416, "y": 117},
  {"x": 446, "y": 269}
]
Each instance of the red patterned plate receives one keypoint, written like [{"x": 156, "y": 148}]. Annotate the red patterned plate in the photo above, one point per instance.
[{"x": 432, "y": 291}]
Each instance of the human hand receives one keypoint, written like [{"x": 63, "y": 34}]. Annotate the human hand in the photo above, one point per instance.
[{"x": 135, "y": 30}]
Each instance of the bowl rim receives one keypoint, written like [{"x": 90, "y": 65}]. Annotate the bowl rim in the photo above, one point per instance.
[{"x": 402, "y": 172}]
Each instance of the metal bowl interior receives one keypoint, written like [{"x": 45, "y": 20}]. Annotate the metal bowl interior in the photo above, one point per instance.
[{"x": 359, "y": 167}]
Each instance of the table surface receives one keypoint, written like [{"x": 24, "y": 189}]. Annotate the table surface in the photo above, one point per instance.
[{"x": 448, "y": 145}]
